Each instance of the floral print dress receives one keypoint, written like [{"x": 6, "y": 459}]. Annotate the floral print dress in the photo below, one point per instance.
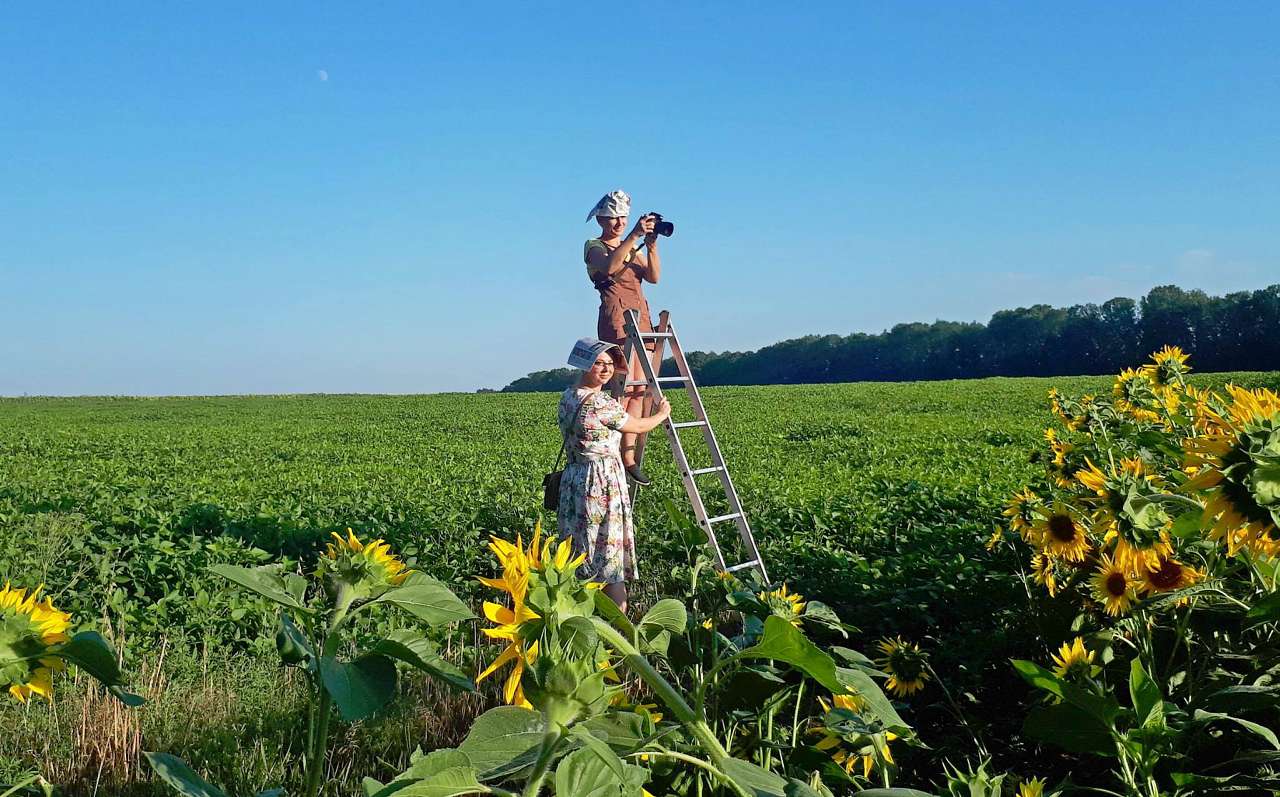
[{"x": 595, "y": 505}]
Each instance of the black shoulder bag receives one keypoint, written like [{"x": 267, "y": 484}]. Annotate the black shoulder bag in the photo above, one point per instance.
[{"x": 551, "y": 482}]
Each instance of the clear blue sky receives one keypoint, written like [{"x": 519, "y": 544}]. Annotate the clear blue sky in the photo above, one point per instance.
[{"x": 389, "y": 197}]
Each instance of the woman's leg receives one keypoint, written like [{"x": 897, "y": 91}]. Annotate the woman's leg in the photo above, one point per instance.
[
  {"x": 634, "y": 403},
  {"x": 618, "y": 591}
]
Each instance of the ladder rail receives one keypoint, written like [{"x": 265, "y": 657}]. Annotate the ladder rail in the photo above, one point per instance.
[
  {"x": 677, "y": 449},
  {"x": 651, "y": 366},
  {"x": 717, "y": 456}
]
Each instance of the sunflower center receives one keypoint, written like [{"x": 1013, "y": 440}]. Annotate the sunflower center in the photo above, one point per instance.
[
  {"x": 1117, "y": 584},
  {"x": 1063, "y": 528},
  {"x": 1167, "y": 576}
]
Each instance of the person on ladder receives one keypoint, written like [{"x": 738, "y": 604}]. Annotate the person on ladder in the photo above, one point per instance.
[{"x": 618, "y": 270}]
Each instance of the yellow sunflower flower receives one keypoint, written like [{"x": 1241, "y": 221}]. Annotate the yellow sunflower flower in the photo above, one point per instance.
[
  {"x": 1021, "y": 512},
  {"x": 517, "y": 565},
  {"x": 1061, "y": 533},
  {"x": 1237, "y": 466},
  {"x": 905, "y": 665},
  {"x": 1031, "y": 788},
  {"x": 1168, "y": 367},
  {"x": 1135, "y": 395},
  {"x": 366, "y": 566},
  {"x": 1114, "y": 587},
  {"x": 1043, "y": 571},
  {"x": 787, "y": 605},
  {"x": 1168, "y": 575},
  {"x": 1072, "y": 659},
  {"x": 29, "y": 628},
  {"x": 1140, "y": 537}
]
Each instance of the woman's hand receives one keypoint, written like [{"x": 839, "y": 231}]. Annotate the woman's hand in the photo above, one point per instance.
[
  {"x": 663, "y": 410},
  {"x": 644, "y": 227}
]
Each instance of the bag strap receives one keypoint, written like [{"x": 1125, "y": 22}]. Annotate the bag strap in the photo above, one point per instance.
[{"x": 564, "y": 441}]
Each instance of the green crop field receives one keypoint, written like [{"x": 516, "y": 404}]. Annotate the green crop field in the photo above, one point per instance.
[{"x": 875, "y": 499}]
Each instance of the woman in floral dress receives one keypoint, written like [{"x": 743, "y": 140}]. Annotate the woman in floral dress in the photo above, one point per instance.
[{"x": 595, "y": 506}]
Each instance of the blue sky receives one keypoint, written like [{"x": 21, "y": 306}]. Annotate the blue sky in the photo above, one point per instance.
[{"x": 227, "y": 198}]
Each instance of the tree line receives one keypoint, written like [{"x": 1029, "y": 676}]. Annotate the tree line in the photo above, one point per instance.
[{"x": 1236, "y": 332}]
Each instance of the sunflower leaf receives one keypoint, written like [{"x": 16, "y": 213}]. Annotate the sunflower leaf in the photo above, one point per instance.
[
  {"x": 1070, "y": 728},
  {"x": 1253, "y": 727},
  {"x": 1148, "y": 703},
  {"x": 1103, "y": 709},
  {"x": 91, "y": 652},
  {"x": 503, "y": 740},
  {"x": 361, "y": 687},
  {"x": 420, "y": 653},
  {"x": 878, "y": 703},
  {"x": 784, "y": 642},
  {"x": 427, "y": 599},
  {"x": 182, "y": 778},
  {"x": 753, "y": 779},
  {"x": 266, "y": 581}
]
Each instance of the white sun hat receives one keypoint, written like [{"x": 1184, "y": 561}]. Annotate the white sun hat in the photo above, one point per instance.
[{"x": 586, "y": 350}]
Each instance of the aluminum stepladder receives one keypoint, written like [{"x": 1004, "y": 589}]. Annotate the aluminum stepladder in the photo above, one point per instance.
[{"x": 652, "y": 364}]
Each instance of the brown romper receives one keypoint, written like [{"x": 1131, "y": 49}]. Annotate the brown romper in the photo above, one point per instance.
[{"x": 618, "y": 293}]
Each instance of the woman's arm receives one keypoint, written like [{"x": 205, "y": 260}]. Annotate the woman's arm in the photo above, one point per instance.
[
  {"x": 654, "y": 263},
  {"x": 642, "y": 425},
  {"x": 617, "y": 261}
]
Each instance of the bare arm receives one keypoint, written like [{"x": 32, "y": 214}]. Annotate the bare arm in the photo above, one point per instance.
[
  {"x": 653, "y": 268},
  {"x": 642, "y": 425}
]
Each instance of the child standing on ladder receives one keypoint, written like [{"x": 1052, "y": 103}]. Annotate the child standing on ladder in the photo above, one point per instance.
[{"x": 618, "y": 269}]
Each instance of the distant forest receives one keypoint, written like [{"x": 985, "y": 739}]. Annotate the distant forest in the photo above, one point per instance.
[{"x": 1236, "y": 332}]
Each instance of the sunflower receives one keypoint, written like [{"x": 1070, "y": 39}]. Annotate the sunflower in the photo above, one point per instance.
[
  {"x": 1031, "y": 788},
  {"x": 905, "y": 665},
  {"x": 517, "y": 565},
  {"x": 1042, "y": 570},
  {"x": 1135, "y": 395},
  {"x": 1138, "y": 528},
  {"x": 1061, "y": 533},
  {"x": 1237, "y": 464},
  {"x": 29, "y": 628},
  {"x": 1072, "y": 659},
  {"x": 1113, "y": 586},
  {"x": 364, "y": 566},
  {"x": 784, "y": 604},
  {"x": 1168, "y": 575},
  {"x": 863, "y": 749},
  {"x": 1168, "y": 367},
  {"x": 1021, "y": 511}
]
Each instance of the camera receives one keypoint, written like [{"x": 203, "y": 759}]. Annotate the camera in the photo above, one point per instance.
[{"x": 661, "y": 227}]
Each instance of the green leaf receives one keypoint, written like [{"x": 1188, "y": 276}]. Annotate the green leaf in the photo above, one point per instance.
[
  {"x": 265, "y": 580},
  {"x": 359, "y": 688},
  {"x": 292, "y": 645},
  {"x": 878, "y": 703},
  {"x": 821, "y": 614},
  {"x": 1187, "y": 526},
  {"x": 182, "y": 778},
  {"x": 1148, "y": 703},
  {"x": 427, "y": 599},
  {"x": 756, "y": 780},
  {"x": 501, "y": 736},
  {"x": 1070, "y": 728},
  {"x": 1104, "y": 709},
  {"x": 579, "y": 634},
  {"x": 621, "y": 730},
  {"x": 784, "y": 642},
  {"x": 602, "y": 751},
  {"x": 609, "y": 610},
  {"x": 1253, "y": 727},
  {"x": 450, "y": 782},
  {"x": 91, "y": 652},
  {"x": 891, "y": 793},
  {"x": 1248, "y": 698},
  {"x": 1266, "y": 610},
  {"x": 420, "y": 653},
  {"x": 1264, "y": 483},
  {"x": 668, "y": 614},
  {"x": 583, "y": 773}
]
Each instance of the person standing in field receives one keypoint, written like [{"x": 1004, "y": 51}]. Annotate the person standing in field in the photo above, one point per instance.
[
  {"x": 595, "y": 504},
  {"x": 618, "y": 270}
]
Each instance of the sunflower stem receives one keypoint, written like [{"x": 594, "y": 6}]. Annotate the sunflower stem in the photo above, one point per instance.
[
  {"x": 17, "y": 787},
  {"x": 693, "y": 722},
  {"x": 319, "y": 733},
  {"x": 550, "y": 740}
]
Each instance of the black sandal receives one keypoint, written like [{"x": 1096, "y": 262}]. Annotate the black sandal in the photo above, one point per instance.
[{"x": 638, "y": 476}]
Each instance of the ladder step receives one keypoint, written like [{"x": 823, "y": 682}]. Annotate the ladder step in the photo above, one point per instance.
[
  {"x": 657, "y": 334},
  {"x": 742, "y": 566},
  {"x": 639, "y": 382},
  {"x": 714, "y": 520},
  {"x": 685, "y": 424},
  {"x": 701, "y": 471}
]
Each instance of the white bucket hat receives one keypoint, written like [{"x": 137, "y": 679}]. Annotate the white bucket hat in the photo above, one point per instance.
[
  {"x": 612, "y": 205},
  {"x": 586, "y": 350}
]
